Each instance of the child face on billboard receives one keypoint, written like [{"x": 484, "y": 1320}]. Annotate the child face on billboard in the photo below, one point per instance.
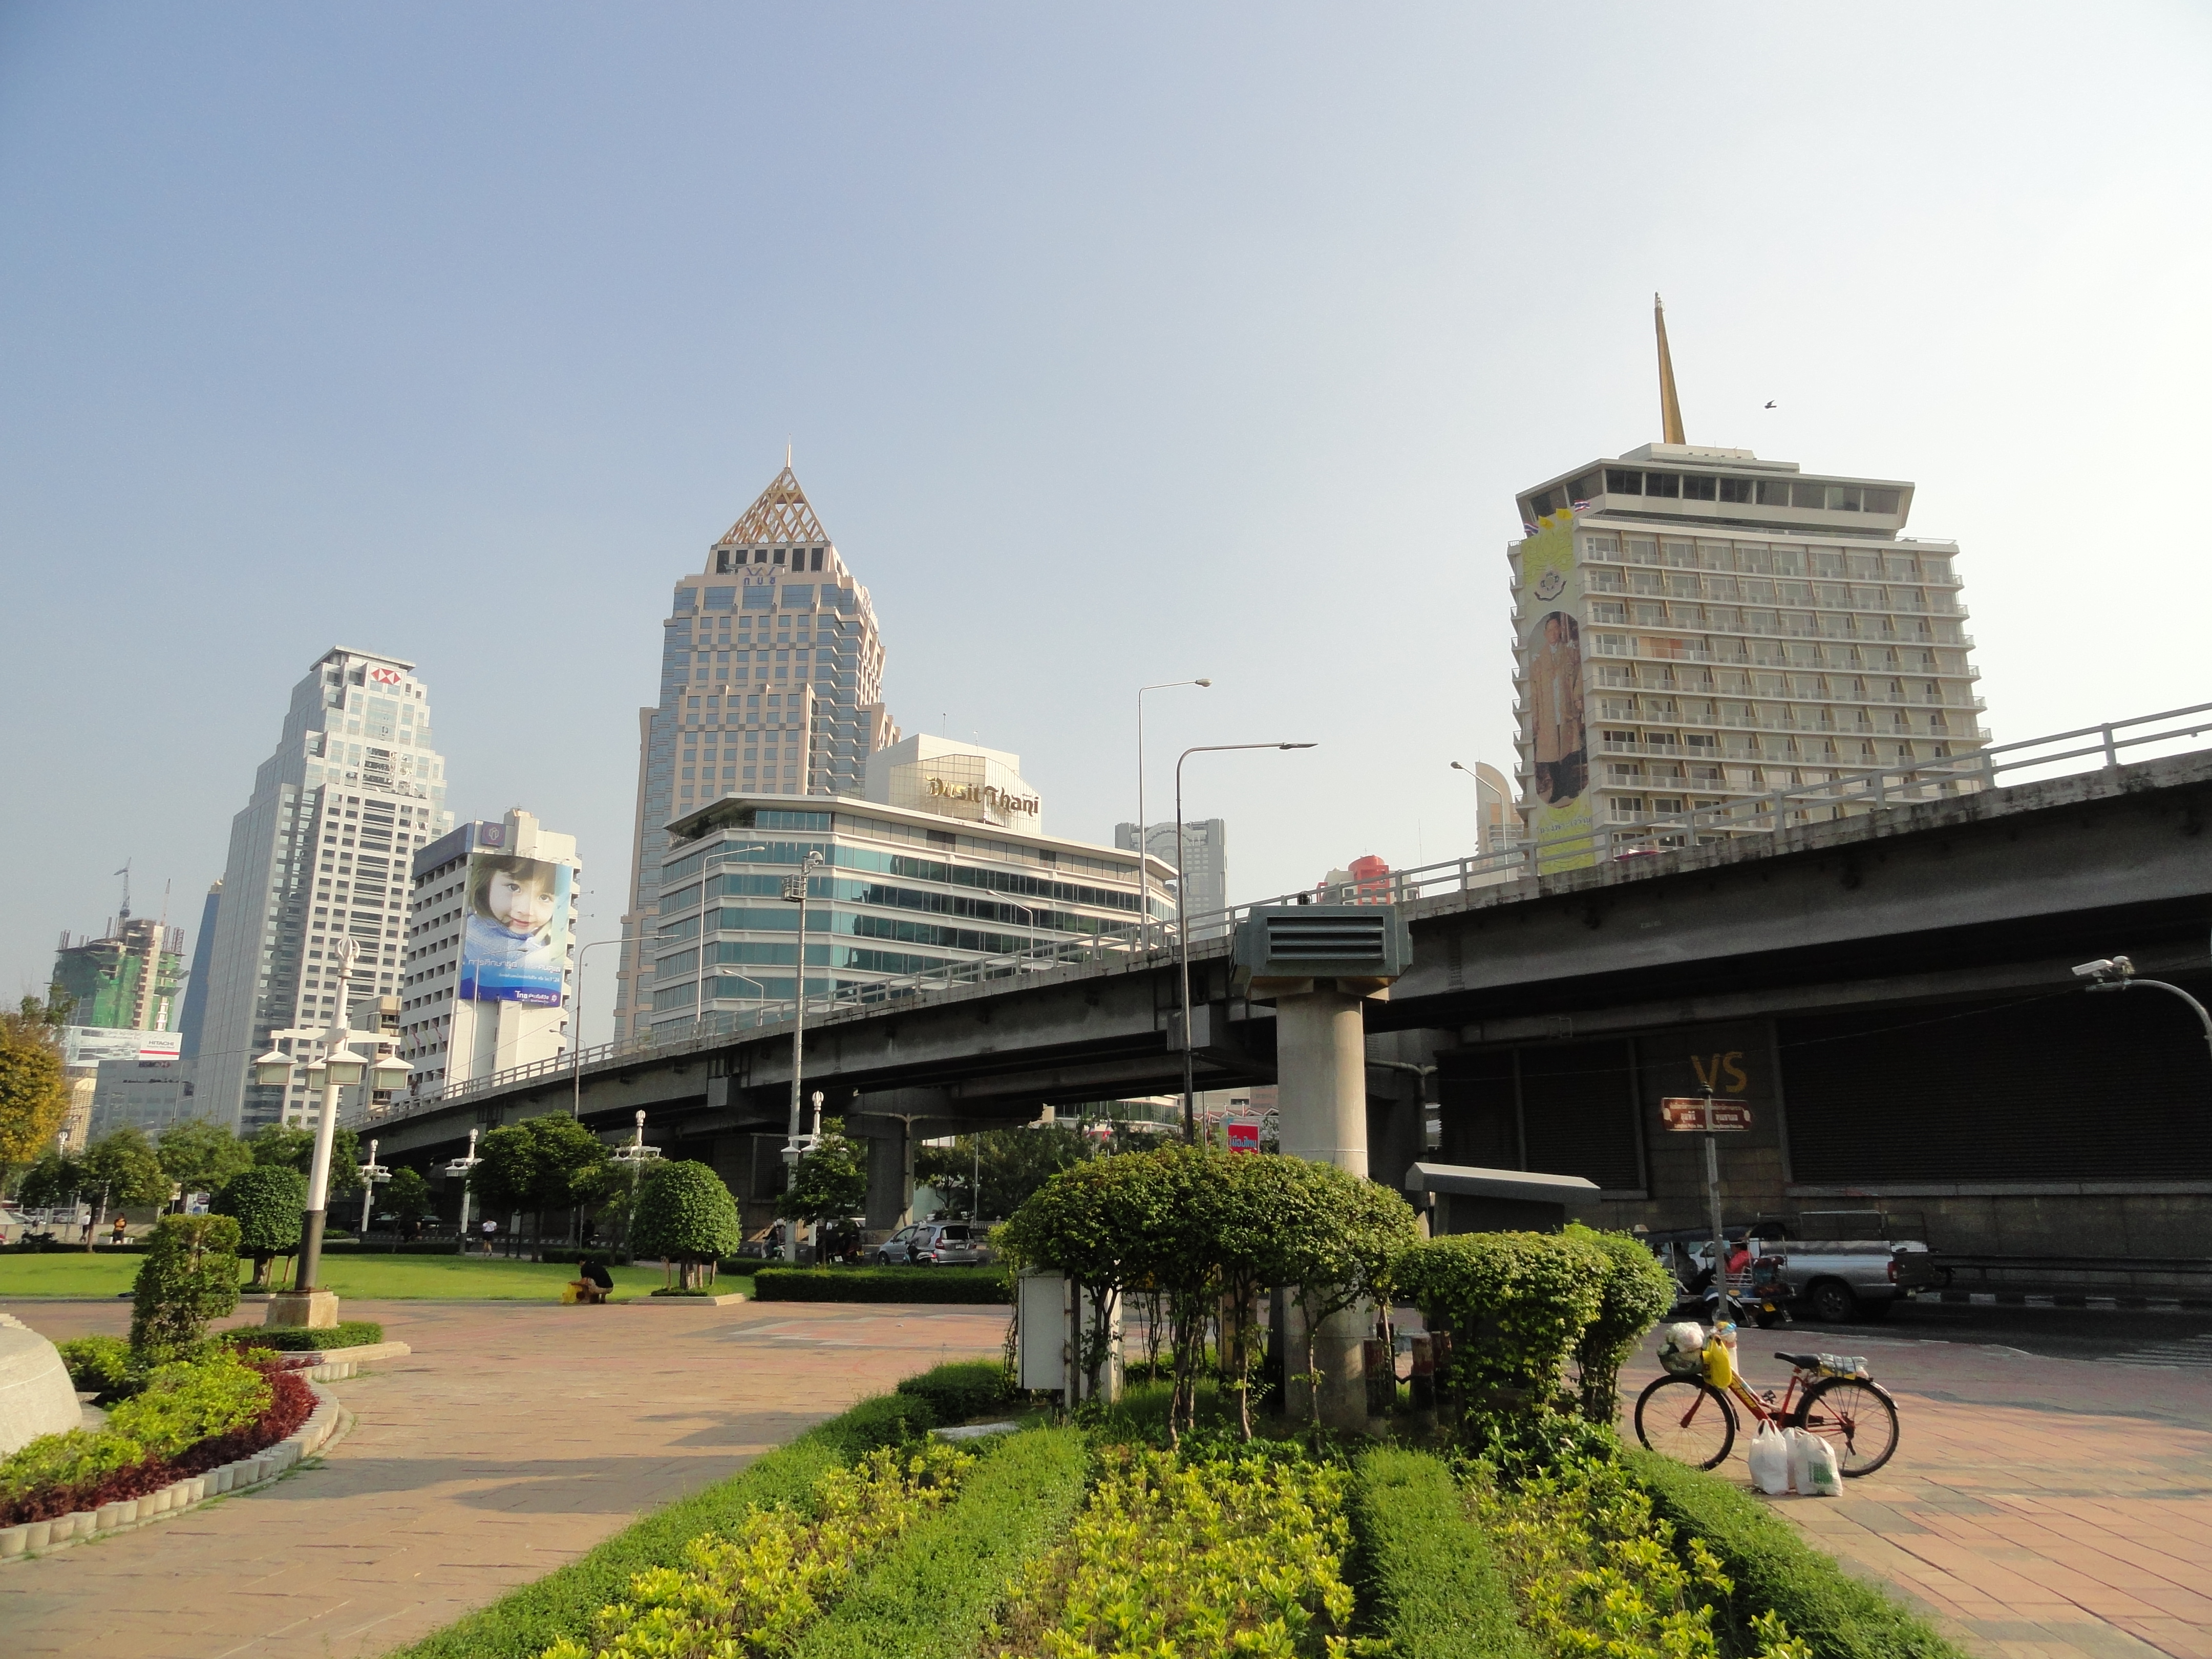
[{"x": 520, "y": 900}]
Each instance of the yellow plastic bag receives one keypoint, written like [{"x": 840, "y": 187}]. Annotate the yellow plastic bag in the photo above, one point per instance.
[{"x": 1720, "y": 1366}]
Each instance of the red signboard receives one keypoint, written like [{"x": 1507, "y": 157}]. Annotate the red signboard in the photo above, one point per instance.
[
  {"x": 1688, "y": 1113},
  {"x": 1243, "y": 1137}
]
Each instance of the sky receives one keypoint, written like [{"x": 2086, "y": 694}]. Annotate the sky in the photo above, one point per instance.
[{"x": 1113, "y": 346}]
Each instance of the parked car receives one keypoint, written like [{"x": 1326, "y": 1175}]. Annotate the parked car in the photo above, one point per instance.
[
  {"x": 1840, "y": 1280},
  {"x": 935, "y": 1244}
]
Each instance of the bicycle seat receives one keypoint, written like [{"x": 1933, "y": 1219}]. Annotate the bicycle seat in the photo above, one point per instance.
[{"x": 1807, "y": 1362}]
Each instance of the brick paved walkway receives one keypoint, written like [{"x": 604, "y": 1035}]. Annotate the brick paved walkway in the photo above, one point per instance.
[
  {"x": 2041, "y": 1508},
  {"x": 515, "y": 1437}
]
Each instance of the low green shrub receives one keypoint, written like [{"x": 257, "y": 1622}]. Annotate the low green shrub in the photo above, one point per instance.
[
  {"x": 304, "y": 1338},
  {"x": 932, "y": 1595},
  {"x": 1183, "y": 1554},
  {"x": 1635, "y": 1294},
  {"x": 1515, "y": 1304},
  {"x": 960, "y": 1388},
  {"x": 753, "y": 1589},
  {"x": 1430, "y": 1584},
  {"x": 964, "y": 1285},
  {"x": 103, "y": 1366},
  {"x": 1777, "y": 1574},
  {"x": 525, "y": 1621}
]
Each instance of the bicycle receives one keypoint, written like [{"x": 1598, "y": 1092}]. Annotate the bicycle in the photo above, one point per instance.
[{"x": 1689, "y": 1420}]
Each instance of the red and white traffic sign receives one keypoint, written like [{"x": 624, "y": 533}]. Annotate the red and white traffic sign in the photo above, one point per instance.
[{"x": 1688, "y": 1113}]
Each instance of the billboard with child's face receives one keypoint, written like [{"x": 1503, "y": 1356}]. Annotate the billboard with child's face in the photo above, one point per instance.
[{"x": 514, "y": 947}]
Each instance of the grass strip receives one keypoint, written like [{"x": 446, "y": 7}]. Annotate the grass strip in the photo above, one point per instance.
[
  {"x": 932, "y": 1595},
  {"x": 1776, "y": 1572},
  {"x": 525, "y": 1621},
  {"x": 1429, "y": 1582},
  {"x": 967, "y": 1285}
]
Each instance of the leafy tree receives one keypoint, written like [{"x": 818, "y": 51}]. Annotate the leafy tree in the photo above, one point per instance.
[
  {"x": 189, "y": 1278},
  {"x": 408, "y": 1196},
  {"x": 1015, "y": 1163},
  {"x": 283, "y": 1145},
  {"x": 122, "y": 1168},
  {"x": 685, "y": 1215},
  {"x": 831, "y": 1181},
  {"x": 1345, "y": 1249},
  {"x": 267, "y": 1202},
  {"x": 33, "y": 1094},
  {"x": 543, "y": 1164},
  {"x": 1516, "y": 1304},
  {"x": 51, "y": 1182},
  {"x": 199, "y": 1156}
]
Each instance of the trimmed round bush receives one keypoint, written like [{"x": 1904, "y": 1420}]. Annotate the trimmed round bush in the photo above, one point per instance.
[
  {"x": 188, "y": 1280},
  {"x": 1515, "y": 1304},
  {"x": 267, "y": 1202},
  {"x": 685, "y": 1215}
]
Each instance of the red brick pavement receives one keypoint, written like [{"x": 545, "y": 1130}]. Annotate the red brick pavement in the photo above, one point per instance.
[
  {"x": 2041, "y": 1508},
  {"x": 515, "y": 1437}
]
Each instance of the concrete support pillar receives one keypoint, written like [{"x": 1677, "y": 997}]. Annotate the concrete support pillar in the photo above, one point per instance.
[
  {"x": 890, "y": 1173},
  {"x": 1320, "y": 1074}
]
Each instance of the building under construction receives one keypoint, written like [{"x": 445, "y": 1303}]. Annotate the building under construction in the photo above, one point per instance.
[{"x": 129, "y": 978}]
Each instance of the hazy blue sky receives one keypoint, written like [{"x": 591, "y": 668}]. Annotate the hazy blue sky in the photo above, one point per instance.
[{"x": 1115, "y": 346}]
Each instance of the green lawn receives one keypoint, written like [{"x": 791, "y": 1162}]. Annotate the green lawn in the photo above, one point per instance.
[{"x": 398, "y": 1277}]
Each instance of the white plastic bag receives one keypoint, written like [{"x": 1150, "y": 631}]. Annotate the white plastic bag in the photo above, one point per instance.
[
  {"x": 1770, "y": 1460},
  {"x": 1819, "y": 1477}
]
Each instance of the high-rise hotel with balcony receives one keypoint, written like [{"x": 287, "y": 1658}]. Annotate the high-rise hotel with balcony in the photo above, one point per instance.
[{"x": 1697, "y": 626}]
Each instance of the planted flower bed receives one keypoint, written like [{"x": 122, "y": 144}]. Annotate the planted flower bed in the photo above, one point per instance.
[{"x": 191, "y": 1416}]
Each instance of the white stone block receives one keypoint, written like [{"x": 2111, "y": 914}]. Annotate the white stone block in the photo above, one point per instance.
[
  {"x": 14, "y": 1541},
  {"x": 88, "y": 1522},
  {"x": 108, "y": 1517},
  {"x": 37, "y": 1534}
]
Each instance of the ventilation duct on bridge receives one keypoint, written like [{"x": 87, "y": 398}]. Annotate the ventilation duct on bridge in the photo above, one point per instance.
[{"x": 1282, "y": 949}]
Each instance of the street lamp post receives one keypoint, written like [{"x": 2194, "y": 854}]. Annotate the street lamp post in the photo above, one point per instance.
[
  {"x": 371, "y": 1173},
  {"x": 795, "y": 892},
  {"x": 1182, "y": 934},
  {"x": 2118, "y": 973},
  {"x": 576, "y": 1042},
  {"x": 1144, "y": 833},
  {"x": 637, "y": 1155},
  {"x": 337, "y": 1067},
  {"x": 699, "y": 978},
  {"x": 461, "y": 1166}
]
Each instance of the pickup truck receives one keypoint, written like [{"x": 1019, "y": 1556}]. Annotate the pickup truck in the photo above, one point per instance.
[{"x": 1842, "y": 1280}]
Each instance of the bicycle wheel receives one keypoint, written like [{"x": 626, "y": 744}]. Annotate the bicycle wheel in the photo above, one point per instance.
[
  {"x": 1688, "y": 1419},
  {"x": 1857, "y": 1420}
]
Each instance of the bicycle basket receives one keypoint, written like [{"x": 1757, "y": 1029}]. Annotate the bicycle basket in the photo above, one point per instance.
[
  {"x": 1844, "y": 1364},
  {"x": 1683, "y": 1351}
]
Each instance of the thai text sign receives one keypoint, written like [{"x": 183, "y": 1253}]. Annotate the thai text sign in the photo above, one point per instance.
[{"x": 1689, "y": 1112}]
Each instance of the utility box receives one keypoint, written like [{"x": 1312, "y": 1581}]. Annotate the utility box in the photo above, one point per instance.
[{"x": 1050, "y": 1326}]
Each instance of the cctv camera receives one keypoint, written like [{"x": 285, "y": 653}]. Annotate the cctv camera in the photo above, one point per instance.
[{"x": 2096, "y": 969}]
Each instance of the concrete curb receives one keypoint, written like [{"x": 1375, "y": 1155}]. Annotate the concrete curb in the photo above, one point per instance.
[
  {"x": 335, "y": 1364},
  {"x": 683, "y": 1301},
  {"x": 325, "y": 1424}
]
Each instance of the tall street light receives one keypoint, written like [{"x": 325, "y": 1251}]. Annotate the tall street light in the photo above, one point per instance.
[
  {"x": 699, "y": 979},
  {"x": 1144, "y": 831},
  {"x": 576, "y": 1043},
  {"x": 795, "y": 892},
  {"x": 1183, "y": 933},
  {"x": 2118, "y": 973},
  {"x": 337, "y": 1067}
]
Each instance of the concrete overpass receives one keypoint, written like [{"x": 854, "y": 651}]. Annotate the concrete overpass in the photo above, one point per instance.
[{"x": 1559, "y": 1008}]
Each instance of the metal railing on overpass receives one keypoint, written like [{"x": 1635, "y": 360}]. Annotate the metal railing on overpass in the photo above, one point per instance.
[{"x": 1841, "y": 795}]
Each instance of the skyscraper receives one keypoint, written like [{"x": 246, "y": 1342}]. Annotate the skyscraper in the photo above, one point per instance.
[
  {"x": 1205, "y": 843},
  {"x": 1698, "y": 627},
  {"x": 771, "y": 683},
  {"x": 321, "y": 852}
]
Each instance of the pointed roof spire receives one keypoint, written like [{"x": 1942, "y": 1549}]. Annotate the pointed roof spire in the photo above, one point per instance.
[
  {"x": 1670, "y": 406},
  {"x": 781, "y": 517}
]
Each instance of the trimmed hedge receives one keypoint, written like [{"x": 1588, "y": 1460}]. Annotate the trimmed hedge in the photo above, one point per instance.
[
  {"x": 1428, "y": 1580},
  {"x": 960, "y": 1388},
  {"x": 934, "y": 1592},
  {"x": 967, "y": 1285},
  {"x": 302, "y": 1339},
  {"x": 522, "y": 1624},
  {"x": 1776, "y": 1572},
  {"x": 103, "y": 1366}
]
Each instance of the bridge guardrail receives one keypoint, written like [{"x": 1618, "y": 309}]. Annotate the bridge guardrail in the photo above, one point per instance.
[{"x": 1878, "y": 790}]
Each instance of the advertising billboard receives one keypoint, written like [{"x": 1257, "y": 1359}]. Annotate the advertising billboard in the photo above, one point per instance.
[
  {"x": 88, "y": 1045},
  {"x": 514, "y": 947},
  {"x": 1552, "y": 636}
]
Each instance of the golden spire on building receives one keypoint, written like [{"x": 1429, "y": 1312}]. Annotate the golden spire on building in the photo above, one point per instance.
[{"x": 1670, "y": 406}]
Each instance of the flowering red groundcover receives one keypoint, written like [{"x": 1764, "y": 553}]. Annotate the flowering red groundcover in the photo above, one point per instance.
[{"x": 290, "y": 1401}]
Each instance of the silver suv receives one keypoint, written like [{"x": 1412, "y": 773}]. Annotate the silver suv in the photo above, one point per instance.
[{"x": 943, "y": 1243}]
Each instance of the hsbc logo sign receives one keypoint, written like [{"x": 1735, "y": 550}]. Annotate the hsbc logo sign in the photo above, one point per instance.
[{"x": 385, "y": 676}]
